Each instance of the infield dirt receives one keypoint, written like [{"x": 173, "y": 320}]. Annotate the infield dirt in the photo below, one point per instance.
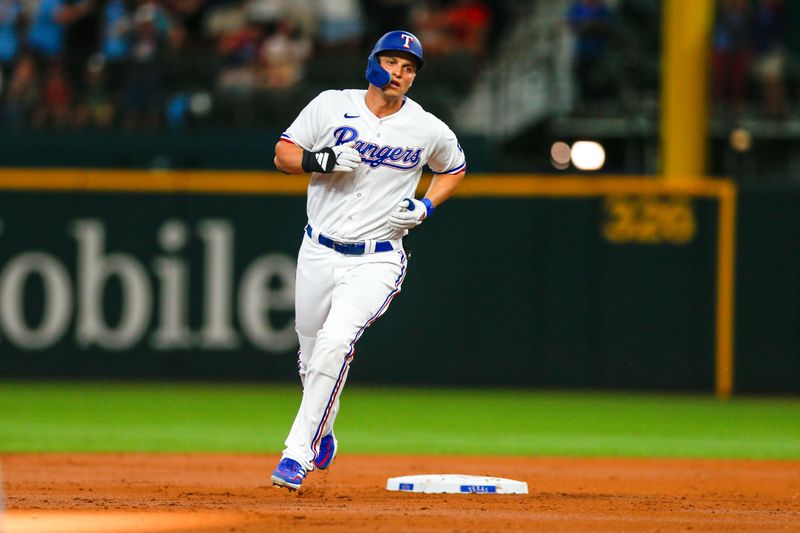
[{"x": 122, "y": 493}]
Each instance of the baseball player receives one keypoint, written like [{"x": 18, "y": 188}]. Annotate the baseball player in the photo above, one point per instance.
[{"x": 365, "y": 150}]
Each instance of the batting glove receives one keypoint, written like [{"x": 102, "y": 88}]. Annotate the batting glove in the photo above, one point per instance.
[
  {"x": 410, "y": 213},
  {"x": 342, "y": 158}
]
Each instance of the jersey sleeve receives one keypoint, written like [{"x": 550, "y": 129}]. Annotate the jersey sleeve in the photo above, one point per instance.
[
  {"x": 305, "y": 129},
  {"x": 447, "y": 157}
]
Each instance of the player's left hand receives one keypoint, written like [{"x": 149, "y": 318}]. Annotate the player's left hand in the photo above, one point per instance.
[{"x": 410, "y": 213}]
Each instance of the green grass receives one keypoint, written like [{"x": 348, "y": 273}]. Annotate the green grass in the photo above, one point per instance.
[{"x": 255, "y": 418}]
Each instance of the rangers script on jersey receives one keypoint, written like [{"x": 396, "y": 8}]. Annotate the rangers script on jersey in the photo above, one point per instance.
[{"x": 355, "y": 206}]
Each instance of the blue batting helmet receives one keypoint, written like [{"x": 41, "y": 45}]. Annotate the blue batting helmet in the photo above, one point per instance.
[{"x": 401, "y": 41}]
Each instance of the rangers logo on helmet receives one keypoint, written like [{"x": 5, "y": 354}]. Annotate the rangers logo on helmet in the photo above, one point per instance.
[{"x": 402, "y": 41}]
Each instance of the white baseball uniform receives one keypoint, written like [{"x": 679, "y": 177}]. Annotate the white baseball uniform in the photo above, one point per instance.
[{"x": 339, "y": 291}]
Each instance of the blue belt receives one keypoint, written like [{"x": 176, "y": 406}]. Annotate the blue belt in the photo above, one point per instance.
[{"x": 349, "y": 248}]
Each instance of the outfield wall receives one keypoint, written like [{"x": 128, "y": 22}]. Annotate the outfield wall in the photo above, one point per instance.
[{"x": 514, "y": 282}]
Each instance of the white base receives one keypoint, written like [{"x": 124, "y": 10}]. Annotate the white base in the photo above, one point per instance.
[{"x": 456, "y": 484}]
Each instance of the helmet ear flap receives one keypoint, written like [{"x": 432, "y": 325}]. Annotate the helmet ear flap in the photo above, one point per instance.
[{"x": 376, "y": 74}]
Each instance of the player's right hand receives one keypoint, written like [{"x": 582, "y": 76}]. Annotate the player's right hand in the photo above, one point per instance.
[
  {"x": 342, "y": 158},
  {"x": 347, "y": 157}
]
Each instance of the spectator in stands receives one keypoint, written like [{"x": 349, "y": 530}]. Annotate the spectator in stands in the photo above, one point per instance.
[
  {"x": 430, "y": 30},
  {"x": 466, "y": 24},
  {"x": 46, "y": 33},
  {"x": 266, "y": 11},
  {"x": 96, "y": 109},
  {"x": 770, "y": 60},
  {"x": 732, "y": 44},
  {"x": 592, "y": 22},
  {"x": 117, "y": 33},
  {"x": 55, "y": 104},
  {"x": 22, "y": 94},
  {"x": 460, "y": 26},
  {"x": 189, "y": 15},
  {"x": 340, "y": 25},
  {"x": 239, "y": 50},
  {"x": 47, "y": 39},
  {"x": 115, "y": 47},
  {"x": 270, "y": 12},
  {"x": 142, "y": 95},
  {"x": 222, "y": 19},
  {"x": 81, "y": 39},
  {"x": 10, "y": 18},
  {"x": 283, "y": 55}
]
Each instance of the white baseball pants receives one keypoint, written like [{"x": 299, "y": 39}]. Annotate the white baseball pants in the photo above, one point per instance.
[{"x": 337, "y": 297}]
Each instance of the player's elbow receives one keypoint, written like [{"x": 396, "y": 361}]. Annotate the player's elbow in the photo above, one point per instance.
[
  {"x": 457, "y": 178},
  {"x": 277, "y": 162},
  {"x": 288, "y": 158}
]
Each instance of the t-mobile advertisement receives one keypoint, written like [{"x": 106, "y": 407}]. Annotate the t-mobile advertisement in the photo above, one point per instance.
[{"x": 131, "y": 274}]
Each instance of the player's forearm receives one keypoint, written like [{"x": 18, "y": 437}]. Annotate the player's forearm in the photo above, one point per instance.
[
  {"x": 442, "y": 187},
  {"x": 288, "y": 158},
  {"x": 292, "y": 159}
]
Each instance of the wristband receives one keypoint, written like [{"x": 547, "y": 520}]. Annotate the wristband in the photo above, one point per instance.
[
  {"x": 322, "y": 161},
  {"x": 428, "y": 207}
]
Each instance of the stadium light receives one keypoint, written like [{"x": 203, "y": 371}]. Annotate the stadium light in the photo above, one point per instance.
[
  {"x": 588, "y": 155},
  {"x": 560, "y": 155}
]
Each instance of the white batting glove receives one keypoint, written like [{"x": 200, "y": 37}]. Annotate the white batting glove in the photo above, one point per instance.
[
  {"x": 347, "y": 157},
  {"x": 342, "y": 158},
  {"x": 410, "y": 213}
]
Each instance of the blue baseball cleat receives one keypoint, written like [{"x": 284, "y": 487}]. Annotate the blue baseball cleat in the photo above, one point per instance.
[
  {"x": 289, "y": 474},
  {"x": 327, "y": 451}
]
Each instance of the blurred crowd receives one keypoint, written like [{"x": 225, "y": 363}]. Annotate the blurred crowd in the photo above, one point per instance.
[
  {"x": 105, "y": 63},
  {"x": 749, "y": 54},
  {"x": 140, "y": 64},
  {"x": 752, "y": 69},
  {"x": 615, "y": 53}
]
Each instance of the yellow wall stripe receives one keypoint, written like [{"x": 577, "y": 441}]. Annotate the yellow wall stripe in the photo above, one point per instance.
[
  {"x": 726, "y": 284},
  {"x": 249, "y": 182},
  {"x": 203, "y": 182}
]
